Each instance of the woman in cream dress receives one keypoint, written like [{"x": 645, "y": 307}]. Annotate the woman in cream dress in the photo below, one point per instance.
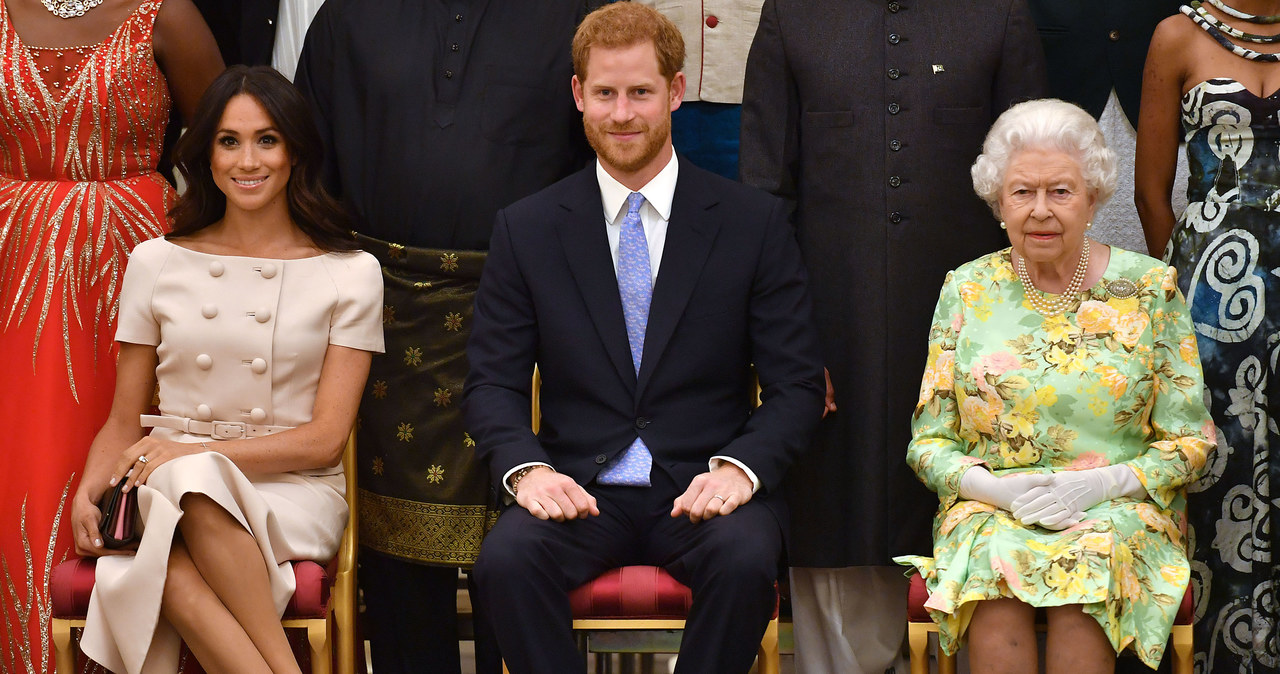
[{"x": 256, "y": 317}]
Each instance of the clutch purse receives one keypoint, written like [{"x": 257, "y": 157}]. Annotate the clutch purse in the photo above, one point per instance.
[{"x": 119, "y": 516}]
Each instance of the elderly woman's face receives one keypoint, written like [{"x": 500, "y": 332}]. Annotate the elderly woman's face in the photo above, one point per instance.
[{"x": 1045, "y": 205}]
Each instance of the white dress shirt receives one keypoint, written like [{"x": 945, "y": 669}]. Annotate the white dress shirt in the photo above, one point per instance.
[{"x": 655, "y": 214}]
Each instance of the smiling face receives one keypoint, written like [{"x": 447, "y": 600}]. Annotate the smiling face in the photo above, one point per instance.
[
  {"x": 249, "y": 160},
  {"x": 626, "y": 107},
  {"x": 1046, "y": 205}
]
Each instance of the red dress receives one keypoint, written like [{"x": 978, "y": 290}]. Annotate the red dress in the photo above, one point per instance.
[{"x": 80, "y": 137}]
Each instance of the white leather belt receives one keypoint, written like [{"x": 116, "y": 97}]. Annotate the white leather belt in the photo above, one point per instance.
[{"x": 218, "y": 430}]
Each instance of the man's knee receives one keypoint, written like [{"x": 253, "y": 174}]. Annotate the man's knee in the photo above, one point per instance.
[
  {"x": 511, "y": 550},
  {"x": 753, "y": 563},
  {"x": 746, "y": 555}
]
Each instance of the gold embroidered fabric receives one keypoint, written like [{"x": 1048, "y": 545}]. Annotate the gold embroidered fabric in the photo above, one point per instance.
[
  {"x": 434, "y": 533},
  {"x": 424, "y": 497}
]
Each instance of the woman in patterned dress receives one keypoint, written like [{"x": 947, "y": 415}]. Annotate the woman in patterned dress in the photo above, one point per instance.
[
  {"x": 83, "y": 105},
  {"x": 1220, "y": 93},
  {"x": 1059, "y": 420}
]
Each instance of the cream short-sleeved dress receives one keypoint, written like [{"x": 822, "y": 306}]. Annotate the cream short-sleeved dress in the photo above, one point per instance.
[{"x": 240, "y": 342}]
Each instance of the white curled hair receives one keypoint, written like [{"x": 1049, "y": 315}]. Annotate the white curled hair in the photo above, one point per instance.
[{"x": 1050, "y": 124}]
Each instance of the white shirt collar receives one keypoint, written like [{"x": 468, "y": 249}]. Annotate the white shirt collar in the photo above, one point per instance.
[{"x": 659, "y": 192}]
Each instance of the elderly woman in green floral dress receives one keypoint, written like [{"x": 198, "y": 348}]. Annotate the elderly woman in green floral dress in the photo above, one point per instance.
[{"x": 1060, "y": 419}]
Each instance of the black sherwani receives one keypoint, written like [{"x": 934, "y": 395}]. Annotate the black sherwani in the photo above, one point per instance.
[
  {"x": 435, "y": 114},
  {"x": 439, "y": 112},
  {"x": 867, "y": 115}
]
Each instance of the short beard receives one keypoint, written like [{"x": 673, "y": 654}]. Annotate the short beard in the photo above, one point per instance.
[{"x": 654, "y": 140}]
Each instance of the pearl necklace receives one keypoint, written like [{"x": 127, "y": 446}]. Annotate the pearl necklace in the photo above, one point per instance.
[
  {"x": 66, "y": 9},
  {"x": 1045, "y": 307}
]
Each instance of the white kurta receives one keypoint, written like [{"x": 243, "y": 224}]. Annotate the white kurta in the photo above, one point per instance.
[
  {"x": 717, "y": 36},
  {"x": 239, "y": 340}
]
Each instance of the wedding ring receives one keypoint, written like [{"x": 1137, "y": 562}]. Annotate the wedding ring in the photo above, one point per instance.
[
  {"x": 142, "y": 459},
  {"x": 718, "y": 496}
]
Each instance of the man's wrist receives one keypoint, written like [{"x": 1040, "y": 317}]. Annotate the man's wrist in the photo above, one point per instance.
[
  {"x": 719, "y": 460},
  {"x": 516, "y": 477}
]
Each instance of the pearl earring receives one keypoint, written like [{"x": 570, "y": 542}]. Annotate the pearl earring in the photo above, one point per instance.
[{"x": 1003, "y": 226}]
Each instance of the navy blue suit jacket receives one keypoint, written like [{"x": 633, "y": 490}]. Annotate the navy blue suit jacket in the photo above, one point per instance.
[{"x": 730, "y": 293}]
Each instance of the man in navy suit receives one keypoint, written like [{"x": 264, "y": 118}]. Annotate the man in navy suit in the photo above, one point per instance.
[{"x": 645, "y": 290}]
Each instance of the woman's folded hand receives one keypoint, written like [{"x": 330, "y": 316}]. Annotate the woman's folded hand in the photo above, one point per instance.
[
  {"x": 1049, "y": 506},
  {"x": 978, "y": 484},
  {"x": 85, "y": 521},
  {"x": 1063, "y": 502},
  {"x": 137, "y": 462}
]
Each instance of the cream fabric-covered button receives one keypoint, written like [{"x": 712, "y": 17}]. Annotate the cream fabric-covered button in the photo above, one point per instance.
[
  {"x": 216, "y": 268},
  {"x": 203, "y": 413},
  {"x": 257, "y": 415},
  {"x": 258, "y": 365},
  {"x": 268, "y": 270},
  {"x": 262, "y": 315},
  {"x": 204, "y": 361},
  {"x": 209, "y": 310}
]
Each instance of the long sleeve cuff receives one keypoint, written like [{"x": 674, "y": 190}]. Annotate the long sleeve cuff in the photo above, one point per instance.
[
  {"x": 506, "y": 478},
  {"x": 714, "y": 463}
]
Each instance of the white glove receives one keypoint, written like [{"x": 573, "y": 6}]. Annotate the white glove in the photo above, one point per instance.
[
  {"x": 1064, "y": 501},
  {"x": 978, "y": 484}
]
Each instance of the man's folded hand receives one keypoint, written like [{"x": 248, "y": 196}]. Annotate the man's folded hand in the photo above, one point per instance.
[
  {"x": 718, "y": 492},
  {"x": 549, "y": 495}
]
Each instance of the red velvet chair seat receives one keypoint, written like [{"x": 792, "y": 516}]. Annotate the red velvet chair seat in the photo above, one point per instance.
[
  {"x": 636, "y": 599},
  {"x": 72, "y": 583},
  {"x": 635, "y": 592}
]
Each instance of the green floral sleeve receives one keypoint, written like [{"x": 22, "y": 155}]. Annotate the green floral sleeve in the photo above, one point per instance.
[
  {"x": 1178, "y": 427},
  {"x": 936, "y": 452}
]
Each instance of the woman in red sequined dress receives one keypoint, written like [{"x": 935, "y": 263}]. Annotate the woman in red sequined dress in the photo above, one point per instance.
[{"x": 85, "y": 92}]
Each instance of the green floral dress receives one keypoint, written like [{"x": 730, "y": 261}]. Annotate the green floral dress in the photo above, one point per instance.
[{"x": 1116, "y": 380}]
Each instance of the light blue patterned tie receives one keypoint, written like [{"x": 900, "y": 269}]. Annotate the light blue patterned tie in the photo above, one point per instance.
[{"x": 635, "y": 283}]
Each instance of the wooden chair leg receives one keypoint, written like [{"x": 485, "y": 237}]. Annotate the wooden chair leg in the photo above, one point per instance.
[
  {"x": 64, "y": 651},
  {"x": 344, "y": 629},
  {"x": 1183, "y": 649},
  {"x": 918, "y": 647},
  {"x": 769, "y": 662},
  {"x": 946, "y": 663},
  {"x": 321, "y": 653}
]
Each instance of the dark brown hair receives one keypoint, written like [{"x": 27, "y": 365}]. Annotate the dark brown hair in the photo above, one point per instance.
[
  {"x": 317, "y": 214},
  {"x": 623, "y": 24}
]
